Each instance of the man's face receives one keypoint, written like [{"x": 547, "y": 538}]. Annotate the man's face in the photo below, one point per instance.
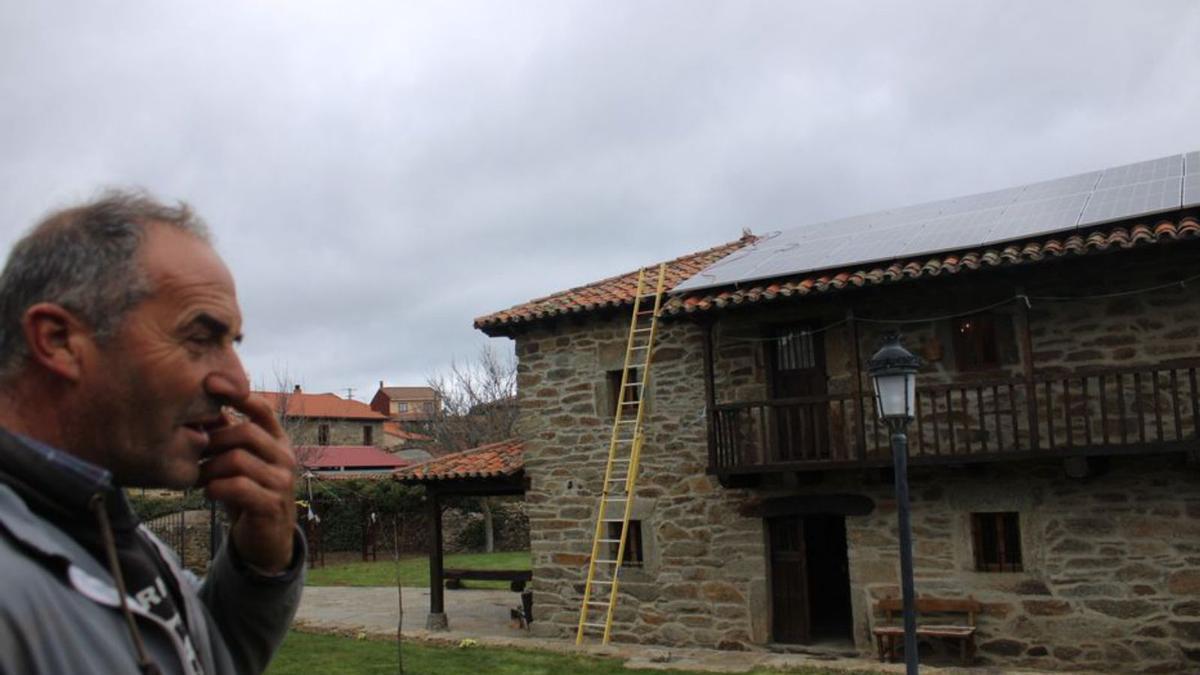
[{"x": 161, "y": 381}]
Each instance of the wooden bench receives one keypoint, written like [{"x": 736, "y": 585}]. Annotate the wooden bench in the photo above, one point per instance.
[
  {"x": 516, "y": 578},
  {"x": 887, "y": 636}
]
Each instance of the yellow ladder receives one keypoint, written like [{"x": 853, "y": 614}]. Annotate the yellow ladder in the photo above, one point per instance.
[{"x": 624, "y": 452}]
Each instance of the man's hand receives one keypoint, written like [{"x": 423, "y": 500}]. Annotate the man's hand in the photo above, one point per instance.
[{"x": 252, "y": 471}]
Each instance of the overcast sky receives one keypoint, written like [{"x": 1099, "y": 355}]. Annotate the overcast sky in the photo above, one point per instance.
[{"x": 377, "y": 174}]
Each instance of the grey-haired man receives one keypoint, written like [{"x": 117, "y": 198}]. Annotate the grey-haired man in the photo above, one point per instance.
[{"x": 118, "y": 323}]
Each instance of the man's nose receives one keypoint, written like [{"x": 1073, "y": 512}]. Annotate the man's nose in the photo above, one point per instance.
[{"x": 228, "y": 381}]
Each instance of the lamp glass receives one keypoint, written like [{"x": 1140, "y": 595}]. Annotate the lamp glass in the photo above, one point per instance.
[{"x": 894, "y": 395}]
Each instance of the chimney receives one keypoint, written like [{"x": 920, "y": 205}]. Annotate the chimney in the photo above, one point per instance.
[
  {"x": 381, "y": 384},
  {"x": 296, "y": 390}
]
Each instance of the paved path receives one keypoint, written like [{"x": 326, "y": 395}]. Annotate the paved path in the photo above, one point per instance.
[{"x": 484, "y": 616}]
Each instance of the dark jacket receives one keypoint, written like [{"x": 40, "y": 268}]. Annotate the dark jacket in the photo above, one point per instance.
[{"x": 60, "y": 610}]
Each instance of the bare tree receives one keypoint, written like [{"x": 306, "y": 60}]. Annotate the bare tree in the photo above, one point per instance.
[
  {"x": 478, "y": 406},
  {"x": 289, "y": 410},
  {"x": 478, "y": 401}
]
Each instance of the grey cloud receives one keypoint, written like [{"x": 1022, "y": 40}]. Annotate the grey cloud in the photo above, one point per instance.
[{"x": 378, "y": 173}]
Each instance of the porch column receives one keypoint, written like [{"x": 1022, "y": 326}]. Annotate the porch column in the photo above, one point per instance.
[
  {"x": 860, "y": 421},
  {"x": 437, "y": 611},
  {"x": 710, "y": 396},
  {"x": 1027, "y": 367}
]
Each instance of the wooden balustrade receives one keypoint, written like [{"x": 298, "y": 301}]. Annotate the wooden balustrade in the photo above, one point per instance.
[{"x": 1099, "y": 411}]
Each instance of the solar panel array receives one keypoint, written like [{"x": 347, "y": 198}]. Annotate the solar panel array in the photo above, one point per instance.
[{"x": 1062, "y": 204}]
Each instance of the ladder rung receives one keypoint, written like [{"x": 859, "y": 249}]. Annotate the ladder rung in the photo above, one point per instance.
[
  {"x": 597, "y": 602},
  {"x": 614, "y": 520},
  {"x": 615, "y": 499},
  {"x": 610, "y": 541},
  {"x": 634, "y": 384},
  {"x": 601, "y": 581},
  {"x": 606, "y": 562},
  {"x": 642, "y": 330},
  {"x": 594, "y": 625}
]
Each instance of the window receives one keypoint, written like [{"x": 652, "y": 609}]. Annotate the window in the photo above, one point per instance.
[
  {"x": 975, "y": 344},
  {"x": 997, "y": 542},
  {"x": 614, "y": 391},
  {"x": 368, "y": 435},
  {"x": 403, "y": 407},
  {"x": 428, "y": 406},
  {"x": 633, "y": 544},
  {"x": 322, "y": 434}
]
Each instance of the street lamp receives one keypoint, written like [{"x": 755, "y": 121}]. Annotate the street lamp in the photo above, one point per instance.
[{"x": 893, "y": 370}]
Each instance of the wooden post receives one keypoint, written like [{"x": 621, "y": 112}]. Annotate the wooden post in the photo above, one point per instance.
[
  {"x": 1027, "y": 363},
  {"x": 437, "y": 609},
  {"x": 710, "y": 394},
  {"x": 860, "y": 434}
]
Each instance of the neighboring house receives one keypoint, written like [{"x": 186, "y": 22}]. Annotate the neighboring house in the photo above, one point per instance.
[
  {"x": 407, "y": 444},
  {"x": 326, "y": 419},
  {"x": 1053, "y": 460},
  {"x": 347, "y": 461},
  {"x": 406, "y": 404}
]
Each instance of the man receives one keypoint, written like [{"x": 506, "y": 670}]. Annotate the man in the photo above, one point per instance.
[{"x": 117, "y": 369}]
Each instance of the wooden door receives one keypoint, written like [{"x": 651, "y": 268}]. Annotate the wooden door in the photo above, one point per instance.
[
  {"x": 797, "y": 370},
  {"x": 789, "y": 580}
]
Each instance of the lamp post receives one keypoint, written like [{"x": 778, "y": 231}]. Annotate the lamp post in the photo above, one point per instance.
[{"x": 893, "y": 370}]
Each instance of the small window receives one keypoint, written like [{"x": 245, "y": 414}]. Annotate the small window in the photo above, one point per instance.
[
  {"x": 368, "y": 435},
  {"x": 322, "y": 434},
  {"x": 997, "y": 542},
  {"x": 403, "y": 407},
  {"x": 975, "y": 344},
  {"x": 633, "y": 544},
  {"x": 428, "y": 406},
  {"x": 632, "y": 394}
]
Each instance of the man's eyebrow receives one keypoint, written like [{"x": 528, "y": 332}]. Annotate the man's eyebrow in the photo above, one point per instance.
[{"x": 214, "y": 325}]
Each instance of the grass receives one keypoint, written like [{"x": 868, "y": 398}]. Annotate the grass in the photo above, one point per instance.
[
  {"x": 414, "y": 572},
  {"x": 305, "y": 653}
]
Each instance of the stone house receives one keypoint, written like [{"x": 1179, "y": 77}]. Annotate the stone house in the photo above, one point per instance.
[
  {"x": 410, "y": 405},
  {"x": 1053, "y": 456},
  {"x": 327, "y": 419}
]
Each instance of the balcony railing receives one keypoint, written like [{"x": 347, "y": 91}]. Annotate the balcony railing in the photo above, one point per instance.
[{"x": 1101, "y": 411}]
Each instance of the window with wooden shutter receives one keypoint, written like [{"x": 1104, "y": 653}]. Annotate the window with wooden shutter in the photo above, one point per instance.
[{"x": 997, "y": 541}]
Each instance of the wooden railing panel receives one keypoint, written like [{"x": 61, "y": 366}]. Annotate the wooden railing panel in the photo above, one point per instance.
[{"x": 1052, "y": 413}]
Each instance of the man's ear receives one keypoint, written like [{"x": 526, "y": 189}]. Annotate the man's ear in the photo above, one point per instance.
[{"x": 57, "y": 339}]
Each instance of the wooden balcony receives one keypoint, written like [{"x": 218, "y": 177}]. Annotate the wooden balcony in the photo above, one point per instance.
[{"x": 1094, "y": 412}]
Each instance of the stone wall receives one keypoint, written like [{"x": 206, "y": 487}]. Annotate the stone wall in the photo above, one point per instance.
[
  {"x": 703, "y": 578},
  {"x": 1111, "y": 563},
  {"x": 304, "y": 432}
]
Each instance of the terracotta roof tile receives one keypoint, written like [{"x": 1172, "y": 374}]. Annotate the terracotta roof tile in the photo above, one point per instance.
[
  {"x": 320, "y": 405},
  {"x": 408, "y": 393},
  {"x": 613, "y": 292},
  {"x": 487, "y": 461},
  {"x": 1006, "y": 255},
  {"x": 395, "y": 429}
]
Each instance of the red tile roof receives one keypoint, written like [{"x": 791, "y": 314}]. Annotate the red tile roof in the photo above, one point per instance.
[
  {"x": 1006, "y": 255},
  {"x": 487, "y": 461},
  {"x": 320, "y": 405},
  {"x": 408, "y": 393},
  {"x": 394, "y": 429},
  {"x": 613, "y": 292},
  {"x": 323, "y": 457}
]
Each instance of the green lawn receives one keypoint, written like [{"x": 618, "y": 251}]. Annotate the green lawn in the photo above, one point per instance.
[
  {"x": 415, "y": 571},
  {"x": 306, "y": 653}
]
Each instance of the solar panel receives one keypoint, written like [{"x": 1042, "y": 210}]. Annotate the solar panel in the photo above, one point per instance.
[
  {"x": 1132, "y": 200},
  {"x": 1191, "y": 179},
  {"x": 1084, "y": 182},
  {"x": 1024, "y": 219},
  {"x": 1062, "y": 204},
  {"x": 1191, "y": 190},
  {"x": 1142, "y": 172}
]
